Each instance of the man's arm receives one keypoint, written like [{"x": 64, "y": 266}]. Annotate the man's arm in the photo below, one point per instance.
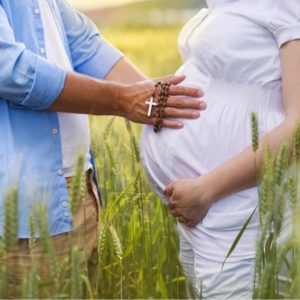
[
  {"x": 26, "y": 79},
  {"x": 83, "y": 94}
]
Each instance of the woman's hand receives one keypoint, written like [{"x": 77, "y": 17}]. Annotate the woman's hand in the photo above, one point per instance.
[
  {"x": 184, "y": 102},
  {"x": 190, "y": 199}
]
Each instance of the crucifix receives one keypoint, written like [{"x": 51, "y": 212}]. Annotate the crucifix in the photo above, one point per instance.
[{"x": 151, "y": 103}]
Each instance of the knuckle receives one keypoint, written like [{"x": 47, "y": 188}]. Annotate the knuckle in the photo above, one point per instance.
[
  {"x": 179, "y": 103},
  {"x": 173, "y": 112},
  {"x": 188, "y": 91},
  {"x": 177, "y": 90}
]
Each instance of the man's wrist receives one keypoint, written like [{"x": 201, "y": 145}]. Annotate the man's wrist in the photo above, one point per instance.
[{"x": 115, "y": 94}]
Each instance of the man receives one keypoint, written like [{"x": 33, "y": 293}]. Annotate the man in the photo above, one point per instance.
[{"x": 52, "y": 62}]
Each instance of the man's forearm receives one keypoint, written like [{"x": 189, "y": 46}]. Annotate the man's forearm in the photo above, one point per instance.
[
  {"x": 82, "y": 94},
  {"x": 127, "y": 96}
]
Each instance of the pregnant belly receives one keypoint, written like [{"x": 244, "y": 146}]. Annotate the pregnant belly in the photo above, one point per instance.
[
  {"x": 196, "y": 149},
  {"x": 222, "y": 131}
]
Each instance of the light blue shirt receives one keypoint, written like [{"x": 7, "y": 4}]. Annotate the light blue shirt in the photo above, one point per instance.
[{"x": 30, "y": 146}]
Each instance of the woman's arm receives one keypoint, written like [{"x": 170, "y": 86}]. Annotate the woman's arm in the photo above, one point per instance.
[{"x": 191, "y": 198}]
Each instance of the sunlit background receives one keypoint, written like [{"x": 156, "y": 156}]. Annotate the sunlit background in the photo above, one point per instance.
[
  {"x": 145, "y": 30},
  {"x": 138, "y": 12},
  {"x": 96, "y": 4}
]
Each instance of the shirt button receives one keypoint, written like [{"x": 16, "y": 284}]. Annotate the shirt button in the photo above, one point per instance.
[
  {"x": 66, "y": 214},
  {"x": 60, "y": 172},
  {"x": 65, "y": 204},
  {"x": 54, "y": 130},
  {"x": 37, "y": 11},
  {"x": 43, "y": 51}
]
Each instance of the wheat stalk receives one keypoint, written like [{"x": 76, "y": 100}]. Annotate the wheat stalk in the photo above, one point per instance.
[
  {"x": 265, "y": 193},
  {"x": 30, "y": 286},
  {"x": 4, "y": 282},
  {"x": 32, "y": 239},
  {"x": 78, "y": 184},
  {"x": 102, "y": 241},
  {"x": 279, "y": 207},
  {"x": 116, "y": 242},
  {"x": 281, "y": 164},
  {"x": 10, "y": 236},
  {"x": 133, "y": 141},
  {"x": 76, "y": 280},
  {"x": 293, "y": 199},
  {"x": 46, "y": 240},
  {"x": 255, "y": 133},
  {"x": 296, "y": 143}
]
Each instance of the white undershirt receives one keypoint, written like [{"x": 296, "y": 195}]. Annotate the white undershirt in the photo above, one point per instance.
[{"x": 74, "y": 128}]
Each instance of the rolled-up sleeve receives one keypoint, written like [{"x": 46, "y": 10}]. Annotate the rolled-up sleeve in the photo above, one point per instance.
[
  {"x": 91, "y": 54},
  {"x": 284, "y": 22},
  {"x": 26, "y": 78}
]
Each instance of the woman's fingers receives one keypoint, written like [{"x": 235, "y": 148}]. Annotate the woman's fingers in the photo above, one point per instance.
[
  {"x": 176, "y": 90},
  {"x": 169, "y": 190},
  {"x": 171, "y": 205},
  {"x": 190, "y": 224},
  {"x": 174, "y": 213}
]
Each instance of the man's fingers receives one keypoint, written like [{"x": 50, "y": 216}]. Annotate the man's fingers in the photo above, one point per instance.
[
  {"x": 176, "y": 90},
  {"x": 165, "y": 123},
  {"x": 172, "y": 79},
  {"x": 172, "y": 124},
  {"x": 181, "y": 113},
  {"x": 182, "y": 102}
]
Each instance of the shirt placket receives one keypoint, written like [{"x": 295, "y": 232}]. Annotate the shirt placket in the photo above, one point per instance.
[{"x": 62, "y": 196}]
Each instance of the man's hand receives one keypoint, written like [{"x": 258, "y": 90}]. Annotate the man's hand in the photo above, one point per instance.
[
  {"x": 85, "y": 95},
  {"x": 189, "y": 200},
  {"x": 184, "y": 102}
]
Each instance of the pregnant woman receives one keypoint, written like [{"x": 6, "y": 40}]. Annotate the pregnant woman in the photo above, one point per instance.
[{"x": 245, "y": 55}]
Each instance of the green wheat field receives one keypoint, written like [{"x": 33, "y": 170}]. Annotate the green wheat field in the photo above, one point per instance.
[
  {"x": 150, "y": 266},
  {"x": 138, "y": 243}
]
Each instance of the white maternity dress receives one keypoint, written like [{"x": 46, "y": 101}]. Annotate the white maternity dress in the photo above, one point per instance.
[{"x": 231, "y": 51}]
